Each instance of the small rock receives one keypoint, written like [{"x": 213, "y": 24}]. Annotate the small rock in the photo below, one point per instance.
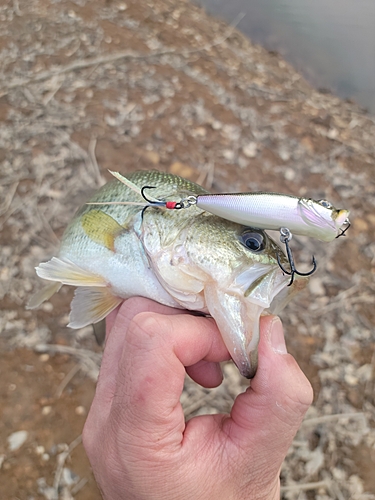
[
  {"x": 69, "y": 477},
  {"x": 289, "y": 174},
  {"x": 231, "y": 132},
  {"x": 315, "y": 462},
  {"x": 355, "y": 485},
  {"x": 153, "y": 44},
  {"x": 360, "y": 225},
  {"x": 284, "y": 154},
  {"x": 332, "y": 133},
  {"x": 316, "y": 286},
  {"x": 17, "y": 439},
  {"x": 199, "y": 132},
  {"x": 46, "y": 410},
  {"x": 48, "y": 492},
  {"x": 351, "y": 379},
  {"x": 228, "y": 154},
  {"x": 80, "y": 410},
  {"x": 181, "y": 169},
  {"x": 216, "y": 125},
  {"x": 250, "y": 150},
  {"x": 47, "y": 307},
  {"x": 152, "y": 156},
  {"x": 339, "y": 474}
]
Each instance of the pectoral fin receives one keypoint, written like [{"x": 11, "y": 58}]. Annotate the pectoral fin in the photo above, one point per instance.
[
  {"x": 101, "y": 228},
  {"x": 68, "y": 273},
  {"x": 90, "y": 305},
  {"x": 44, "y": 294}
]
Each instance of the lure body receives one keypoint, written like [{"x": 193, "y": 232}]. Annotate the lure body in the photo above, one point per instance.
[{"x": 302, "y": 216}]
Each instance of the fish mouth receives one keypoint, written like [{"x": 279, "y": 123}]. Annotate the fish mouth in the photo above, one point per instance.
[
  {"x": 237, "y": 310},
  {"x": 261, "y": 293}
]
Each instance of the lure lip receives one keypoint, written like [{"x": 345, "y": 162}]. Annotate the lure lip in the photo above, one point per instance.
[
  {"x": 341, "y": 218},
  {"x": 321, "y": 222}
]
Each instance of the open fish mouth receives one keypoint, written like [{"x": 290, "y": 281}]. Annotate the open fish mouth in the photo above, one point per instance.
[{"x": 237, "y": 310}]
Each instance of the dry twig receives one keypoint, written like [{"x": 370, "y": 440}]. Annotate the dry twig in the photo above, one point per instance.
[
  {"x": 68, "y": 377},
  {"x": 62, "y": 457},
  {"x": 305, "y": 486}
]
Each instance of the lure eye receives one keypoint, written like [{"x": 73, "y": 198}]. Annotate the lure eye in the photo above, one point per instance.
[
  {"x": 325, "y": 203},
  {"x": 253, "y": 241}
]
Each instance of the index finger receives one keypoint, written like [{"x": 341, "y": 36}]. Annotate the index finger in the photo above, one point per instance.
[
  {"x": 117, "y": 324},
  {"x": 150, "y": 378}
]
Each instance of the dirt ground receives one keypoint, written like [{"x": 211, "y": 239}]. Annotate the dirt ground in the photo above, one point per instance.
[{"x": 87, "y": 86}]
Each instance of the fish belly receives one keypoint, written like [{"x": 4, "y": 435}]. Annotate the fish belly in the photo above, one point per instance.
[{"x": 126, "y": 270}]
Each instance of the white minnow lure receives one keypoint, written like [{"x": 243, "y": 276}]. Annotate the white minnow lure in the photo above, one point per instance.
[
  {"x": 275, "y": 211},
  {"x": 302, "y": 216}
]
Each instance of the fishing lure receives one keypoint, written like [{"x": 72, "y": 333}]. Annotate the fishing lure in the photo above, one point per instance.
[{"x": 302, "y": 216}]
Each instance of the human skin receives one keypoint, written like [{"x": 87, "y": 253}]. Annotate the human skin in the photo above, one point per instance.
[{"x": 136, "y": 438}]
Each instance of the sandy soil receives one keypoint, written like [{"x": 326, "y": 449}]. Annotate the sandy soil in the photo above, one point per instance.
[{"x": 87, "y": 86}]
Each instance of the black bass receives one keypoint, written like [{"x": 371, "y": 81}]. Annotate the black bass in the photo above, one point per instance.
[{"x": 187, "y": 259}]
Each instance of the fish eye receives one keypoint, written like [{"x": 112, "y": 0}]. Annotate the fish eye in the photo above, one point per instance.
[
  {"x": 325, "y": 203},
  {"x": 253, "y": 240}
]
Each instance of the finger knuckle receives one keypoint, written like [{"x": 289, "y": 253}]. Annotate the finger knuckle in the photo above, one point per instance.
[{"x": 148, "y": 327}]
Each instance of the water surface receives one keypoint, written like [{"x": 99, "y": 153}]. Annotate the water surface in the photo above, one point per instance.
[{"x": 332, "y": 42}]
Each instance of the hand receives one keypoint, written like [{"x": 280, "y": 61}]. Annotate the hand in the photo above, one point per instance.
[{"x": 136, "y": 438}]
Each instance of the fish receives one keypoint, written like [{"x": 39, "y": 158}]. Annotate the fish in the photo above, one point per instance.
[
  {"x": 301, "y": 216},
  {"x": 116, "y": 248}
]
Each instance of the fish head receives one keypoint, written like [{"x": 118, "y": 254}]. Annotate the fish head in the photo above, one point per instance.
[
  {"x": 324, "y": 220},
  {"x": 221, "y": 268}
]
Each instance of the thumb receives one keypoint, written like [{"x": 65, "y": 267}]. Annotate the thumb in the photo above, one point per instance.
[{"x": 268, "y": 415}]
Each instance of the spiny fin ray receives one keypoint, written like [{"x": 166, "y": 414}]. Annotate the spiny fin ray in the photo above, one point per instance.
[{"x": 130, "y": 184}]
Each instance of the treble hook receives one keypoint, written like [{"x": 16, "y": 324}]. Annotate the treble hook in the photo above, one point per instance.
[
  {"x": 285, "y": 237},
  {"x": 157, "y": 203},
  {"x": 151, "y": 202},
  {"x": 171, "y": 205}
]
